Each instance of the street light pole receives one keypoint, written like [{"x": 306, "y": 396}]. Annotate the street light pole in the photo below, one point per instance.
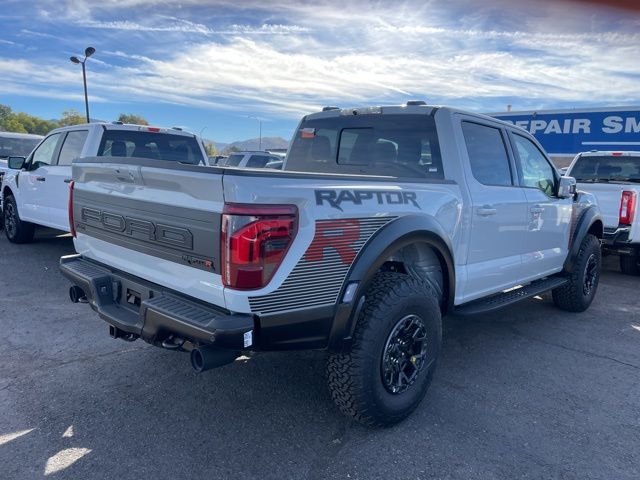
[
  {"x": 86, "y": 95},
  {"x": 259, "y": 130},
  {"x": 87, "y": 53}
]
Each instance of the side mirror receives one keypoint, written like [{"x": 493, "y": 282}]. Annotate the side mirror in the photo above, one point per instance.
[
  {"x": 16, "y": 163},
  {"x": 566, "y": 187}
]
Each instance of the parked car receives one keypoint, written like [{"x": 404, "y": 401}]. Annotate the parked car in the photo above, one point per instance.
[
  {"x": 614, "y": 179},
  {"x": 35, "y": 191},
  {"x": 275, "y": 164},
  {"x": 257, "y": 159},
  {"x": 14, "y": 144},
  {"x": 17, "y": 144},
  {"x": 383, "y": 220},
  {"x": 216, "y": 159}
]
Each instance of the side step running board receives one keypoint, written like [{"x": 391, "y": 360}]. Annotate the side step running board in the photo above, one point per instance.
[{"x": 499, "y": 300}]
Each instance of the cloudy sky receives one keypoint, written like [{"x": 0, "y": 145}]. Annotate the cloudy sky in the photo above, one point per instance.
[{"x": 213, "y": 64}]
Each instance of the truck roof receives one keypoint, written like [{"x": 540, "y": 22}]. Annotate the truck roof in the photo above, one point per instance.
[
  {"x": 20, "y": 135},
  {"x": 126, "y": 126},
  {"x": 609, "y": 153},
  {"x": 413, "y": 108}
]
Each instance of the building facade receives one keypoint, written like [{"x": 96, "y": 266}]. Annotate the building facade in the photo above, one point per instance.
[{"x": 565, "y": 133}]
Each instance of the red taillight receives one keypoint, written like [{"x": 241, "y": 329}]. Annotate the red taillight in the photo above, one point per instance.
[
  {"x": 627, "y": 207},
  {"x": 72, "y": 226},
  {"x": 255, "y": 240}
]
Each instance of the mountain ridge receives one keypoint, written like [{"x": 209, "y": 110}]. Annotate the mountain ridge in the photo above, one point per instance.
[{"x": 250, "y": 144}]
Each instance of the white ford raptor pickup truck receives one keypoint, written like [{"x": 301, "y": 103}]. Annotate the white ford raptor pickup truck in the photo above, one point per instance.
[{"x": 383, "y": 221}]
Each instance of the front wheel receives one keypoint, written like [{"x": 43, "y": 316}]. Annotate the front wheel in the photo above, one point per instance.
[
  {"x": 577, "y": 294},
  {"x": 15, "y": 229},
  {"x": 395, "y": 348}
]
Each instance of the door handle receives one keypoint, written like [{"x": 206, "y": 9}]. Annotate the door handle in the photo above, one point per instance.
[
  {"x": 41, "y": 179},
  {"x": 67, "y": 180},
  {"x": 486, "y": 210},
  {"x": 537, "y": 209}
]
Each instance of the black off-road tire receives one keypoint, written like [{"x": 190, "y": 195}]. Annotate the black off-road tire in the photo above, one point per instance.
[
  {"x": 15, "y": 229},
  {"x": 630, "y": 264},
  {"x": 355, "y": 378},
  {"x": 576, "y": 295}
]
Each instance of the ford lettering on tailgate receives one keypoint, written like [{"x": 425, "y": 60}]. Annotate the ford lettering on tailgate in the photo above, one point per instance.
[{"x": 138, "y": 228}]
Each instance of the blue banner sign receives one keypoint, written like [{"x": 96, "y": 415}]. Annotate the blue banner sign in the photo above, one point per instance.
[{"x": 567, "y": 132}]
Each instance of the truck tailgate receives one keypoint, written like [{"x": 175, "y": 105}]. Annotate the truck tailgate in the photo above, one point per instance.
[
  {"x": 156, "y": 220},
  {"x": 608, "y": 196}
]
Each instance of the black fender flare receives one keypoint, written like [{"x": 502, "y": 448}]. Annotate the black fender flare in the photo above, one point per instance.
[
  {"x": 389, "y": 239},
  {"x": 589, "y": 217}
]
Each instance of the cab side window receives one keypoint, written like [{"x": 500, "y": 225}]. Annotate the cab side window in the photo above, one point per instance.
[
  {"x": 487, "y": 154},
  {"x": 72, "y": 146},
  {"x": 43, "y": 155},
  {"x": 257, "y": 161},
  {"x": 535, "y": 170}
]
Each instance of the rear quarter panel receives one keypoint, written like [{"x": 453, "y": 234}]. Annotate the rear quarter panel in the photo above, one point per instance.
[{"x": 322, "y": 199}]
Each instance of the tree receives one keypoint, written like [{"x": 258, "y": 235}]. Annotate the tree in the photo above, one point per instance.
[
  {"x": 13, "y": 125},
  {"x": 22, "y": 122},
  {"x": 132, "y": 118},
  {"x": 231, "y": 149},
  {"x": 211, "y": 149},
  {"x": 5, "y": 113},
  {"x": 71, "y": 117}
]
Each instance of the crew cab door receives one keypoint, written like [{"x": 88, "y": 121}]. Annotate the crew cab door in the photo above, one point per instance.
[
  {"x": 498, "y": 212},
  {"x": 548, "y": 217},
  {"x": 33, "y": 202},
  {"x": 59, "y": 176}
]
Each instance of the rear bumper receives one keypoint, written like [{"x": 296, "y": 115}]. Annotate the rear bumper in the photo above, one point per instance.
[
  {"x": 152, "y": 312},
  {"x": 616, "y": 240}
]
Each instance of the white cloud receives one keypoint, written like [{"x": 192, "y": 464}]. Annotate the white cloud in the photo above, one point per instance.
[
  {"x": 185, "y": 26},
  {"x": 350, "y": 53}
]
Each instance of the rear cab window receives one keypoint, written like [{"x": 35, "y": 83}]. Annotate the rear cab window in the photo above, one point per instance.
[
  {"x": 233, "y": 160},
  {"x": 395, "y": 145},
  {"x": 487, "y": 152},
  {"x": 159, "y": 146},
  {"x": 72, "y": 146},
  {"x": 606, "y": 168},
  {"x": 257, "y": 161}
]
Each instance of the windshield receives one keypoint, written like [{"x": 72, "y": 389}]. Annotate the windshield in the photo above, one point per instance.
[
  {"x": 160, "y": 146},
  {"x": 606, "y": 168},
  {"x": 400, "y": 145},
  {"x": 17, "y": 147}
]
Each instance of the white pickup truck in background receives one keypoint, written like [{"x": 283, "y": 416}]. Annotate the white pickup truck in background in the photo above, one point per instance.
[
  {"x": 614, "y": 179},
  {"x": 35, "y": 189},
  {"x": 15, "y": 144}
]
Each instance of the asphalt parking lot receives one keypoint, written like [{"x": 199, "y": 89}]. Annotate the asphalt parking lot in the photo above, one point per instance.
[{"x": 529, "y": 392}]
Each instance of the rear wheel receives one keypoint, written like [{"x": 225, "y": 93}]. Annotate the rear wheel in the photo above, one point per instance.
[
  {"x": 630, "y": 264},
  {"x": 396, "y": 344},
  {"x": 577, "y": 294},
  {"x": 15, "y": 229}
]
